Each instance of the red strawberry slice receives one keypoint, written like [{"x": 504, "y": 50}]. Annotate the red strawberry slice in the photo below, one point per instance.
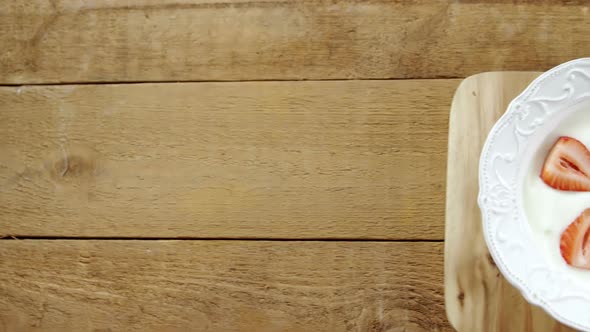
[
  {"x": 567, "y": 166},
  {"x": 574, "y": 244}
]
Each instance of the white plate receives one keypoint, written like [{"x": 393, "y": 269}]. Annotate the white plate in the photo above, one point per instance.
[{"x": 505, "y": 159}]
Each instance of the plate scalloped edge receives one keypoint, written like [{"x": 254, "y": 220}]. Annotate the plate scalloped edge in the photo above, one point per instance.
[{"x": 504, "y": 224}]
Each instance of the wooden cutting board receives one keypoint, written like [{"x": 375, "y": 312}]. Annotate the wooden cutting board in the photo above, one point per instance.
[{"x": 477, "y": 297}]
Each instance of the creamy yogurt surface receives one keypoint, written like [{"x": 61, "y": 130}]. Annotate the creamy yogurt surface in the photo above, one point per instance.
[{"x": 550, "y": 211}]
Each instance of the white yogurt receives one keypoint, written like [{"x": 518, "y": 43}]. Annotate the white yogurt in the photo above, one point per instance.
[{"x": 550, "y": 211}]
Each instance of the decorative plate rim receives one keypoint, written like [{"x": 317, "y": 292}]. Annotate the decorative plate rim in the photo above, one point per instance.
[{"x": 505, "y": 227}]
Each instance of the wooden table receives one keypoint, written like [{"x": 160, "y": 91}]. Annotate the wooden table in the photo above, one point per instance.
[{"x": 195, "y": 165}]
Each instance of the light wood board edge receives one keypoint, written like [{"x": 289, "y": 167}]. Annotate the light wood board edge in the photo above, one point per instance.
[{"x": 477, "y": 297}]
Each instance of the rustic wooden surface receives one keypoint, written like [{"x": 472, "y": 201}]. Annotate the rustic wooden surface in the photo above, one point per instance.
[
  {"x": 98, "y": 177},
  {"x": 220, "y": 286},
  {"x": 347, "y": 159},
  {"x": 477, "y": 297},
  {"x": 156, "y": 40}
]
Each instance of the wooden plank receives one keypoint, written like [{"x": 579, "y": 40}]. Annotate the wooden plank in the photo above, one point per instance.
[
  {"x": 346, "y": 159},
  {"x": 70, "y": 285},
  {"x": 477, "y": 297},
  {"x": 153, "y": 40}
]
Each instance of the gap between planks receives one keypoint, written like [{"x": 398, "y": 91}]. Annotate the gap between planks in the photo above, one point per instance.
[
  {"x": 120, "y": 238},
  {"x": 11, "y": 85}
]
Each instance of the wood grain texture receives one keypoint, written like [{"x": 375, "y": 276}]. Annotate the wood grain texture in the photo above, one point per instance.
[
  {"x": 477, "y": 297},
  {"x": 154, "y": 40},
  {"x": 362, "y": 159},
  {"x": 70, "y": 285}
]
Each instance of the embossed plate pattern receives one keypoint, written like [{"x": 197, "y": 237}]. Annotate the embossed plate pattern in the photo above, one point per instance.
[{"x": 503, "y": 163}]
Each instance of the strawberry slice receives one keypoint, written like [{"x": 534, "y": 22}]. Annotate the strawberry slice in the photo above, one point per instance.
[
  {"x": 567, "y": 166},
  {"x": 574, "y": 244}
]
